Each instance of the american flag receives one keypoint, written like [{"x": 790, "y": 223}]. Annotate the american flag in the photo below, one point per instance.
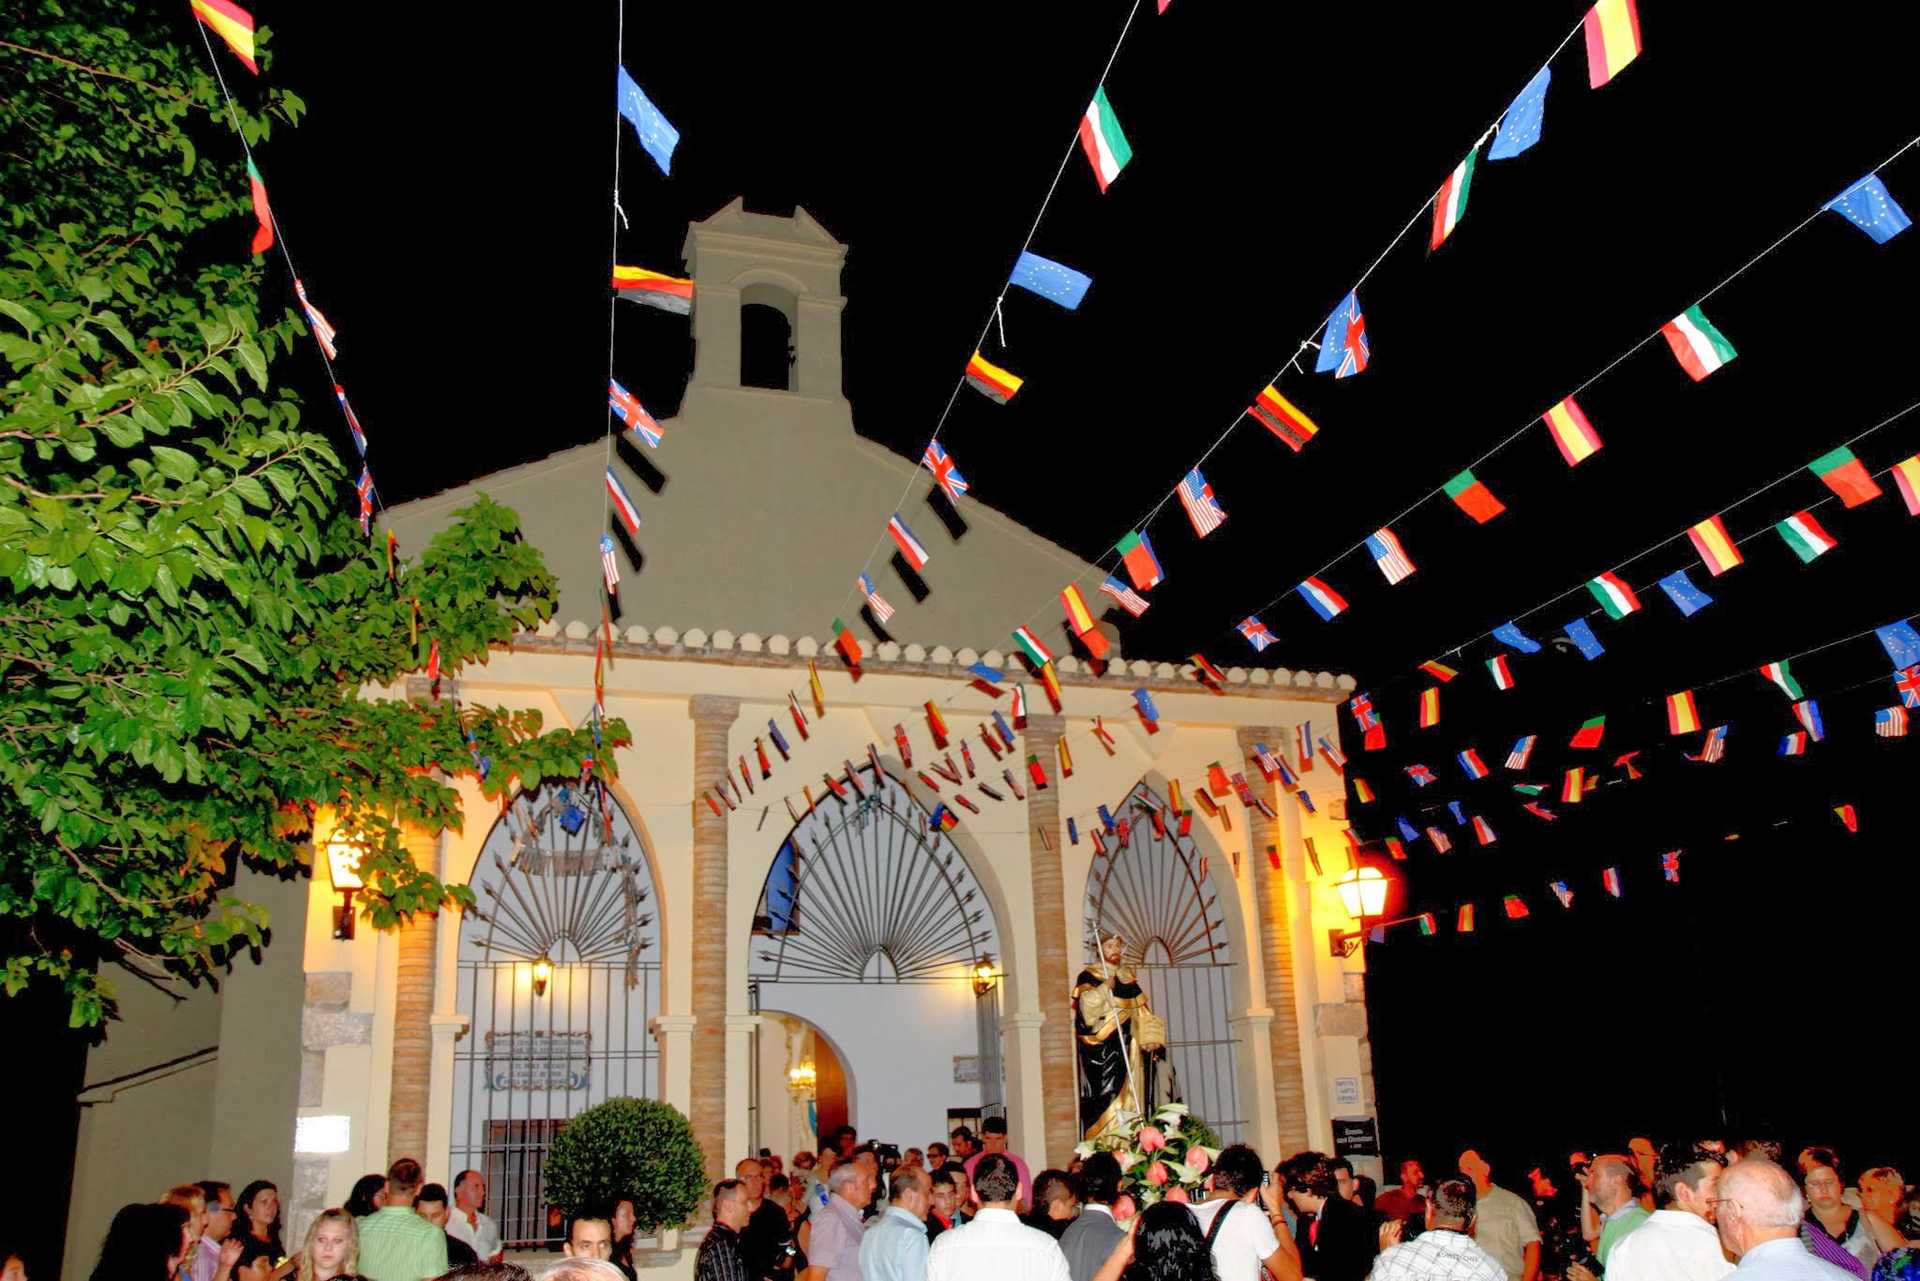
[
  {"x": 1890, "y": 722},
  {"x": 1270, "y": 765},
  {"x": 945, "y": 474},
  {"x": 1131, "y": 601},
  {"x": 1303, "y": 744},
  {"x": 1256, "y": 633},
  {"x": 1332, "y": 753},
  {"x": 1196, "y": 495},
  {"x": 323, "y": 333},
  {"x": 1715, "y": 746},
  {"x": 1522, "y": 751},
  {"x": 1442, "y": 843},
  {"x": 609, "y": 566},
  {"x": 1389, "y": 555},
  {"x": 881, "y": 610}
]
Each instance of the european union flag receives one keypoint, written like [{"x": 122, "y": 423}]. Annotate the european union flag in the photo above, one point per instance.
[
  {"x": 1407, "y": 830},
  {"x": 1520, "y": 126},
  {"x": 1051, "y": 280},
  {"x": 656, "y": 135},
  {"x": 1459, "y": 815},
  {"x": 1510, "y": 634},
  {"x": 1582, "y": 636},
  {"x": 1689, "y": 599},
  {"x": 1902, "y": 643},
  {"x": 1868, "y": 206},
  {"x": 1343, "y": 346}
]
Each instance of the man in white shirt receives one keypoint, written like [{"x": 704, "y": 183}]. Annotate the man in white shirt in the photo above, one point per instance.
[
  {"x": 468, "y": 1223},
  {"x": 1678, "y": 1242},
  {"x": 1758, "y": 1212},
  {"x": 1503, "y": 1224},
  {"x": 1244, "y": 1241},
  {"x": 1445, "y": 1251},
  {"x": 996, "y": 1244}
]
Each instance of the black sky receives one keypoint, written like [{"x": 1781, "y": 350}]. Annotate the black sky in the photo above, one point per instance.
[{"x": 448, "y": 203}]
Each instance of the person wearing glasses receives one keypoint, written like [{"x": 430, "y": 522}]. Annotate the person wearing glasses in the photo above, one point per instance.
[
  {"x": 1678, "y": 1241},
  {"x": 213, "y": 1259},
  {"x": 1758, "y": 1212},
  {"x": 1833, "y": 1230}
]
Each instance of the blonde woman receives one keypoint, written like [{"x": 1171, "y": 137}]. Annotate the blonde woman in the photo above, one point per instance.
[{"x": 332, "y": 1249}]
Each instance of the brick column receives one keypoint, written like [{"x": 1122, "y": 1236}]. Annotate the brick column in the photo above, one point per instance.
[
  {"x": 410, "y": 1101},
  {"x": 1273, "y": 897},
  {"x": 713, "y": 718},
  {"x": 1050, "y": 956}
]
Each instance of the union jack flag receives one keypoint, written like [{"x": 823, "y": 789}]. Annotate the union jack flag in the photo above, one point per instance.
[
  {"x": 323, "y": 333},
  {"x": 945, "y": 474},
  {"x": 881, "y": 610},
  {"x": 364, "y": 487},
  {"x": 1890, "y": 722},
  {"x": 609, "y": 566},
  {"x": 1203, "y": 509},
  {"x": 1364, "y": 717},
  {"x": 1256, "y": 633},
  {"x": 353, "y": 422},
  {"x": 1670, "y": 865},
  {"x": 1420, "y": 774},
  {"x": 1131, "y": 601},
  {"x": 1907, "y": 683},
  {"x": 639, "y": 422}
]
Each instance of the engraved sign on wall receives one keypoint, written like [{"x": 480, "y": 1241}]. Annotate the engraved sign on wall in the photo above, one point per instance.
[{"x": 538, "y": 1060}]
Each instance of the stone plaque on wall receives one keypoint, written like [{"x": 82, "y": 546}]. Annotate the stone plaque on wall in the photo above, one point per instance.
[
  {"x": 538, "y": 1060},
  {"x": 966, "y": 1069}
]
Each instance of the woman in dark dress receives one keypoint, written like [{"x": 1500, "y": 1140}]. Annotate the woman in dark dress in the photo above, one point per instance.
[{"x": 258, "y": 1231}]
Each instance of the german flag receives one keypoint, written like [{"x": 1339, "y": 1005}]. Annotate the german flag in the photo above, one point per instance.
[
  {"x": 1280, "y": 417},
  {"x": 991, "y": 381},
  {"x": 668, "y": 293}
]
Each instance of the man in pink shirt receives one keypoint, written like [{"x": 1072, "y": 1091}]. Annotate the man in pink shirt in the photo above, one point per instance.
[{"x": 993, "y": 1138}]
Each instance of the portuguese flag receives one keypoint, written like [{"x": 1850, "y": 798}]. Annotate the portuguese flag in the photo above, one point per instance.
[
  {"x": 1846, "y": 476},
  {"x": 263, "y": 234},
  {"x": 1474, "y": 498}
]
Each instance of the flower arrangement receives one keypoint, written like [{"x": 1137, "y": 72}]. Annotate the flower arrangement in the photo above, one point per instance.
[{"x": 1158, "y": 1161}]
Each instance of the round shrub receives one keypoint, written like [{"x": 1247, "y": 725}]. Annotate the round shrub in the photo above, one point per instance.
[{"x": 635, "y": 1148}]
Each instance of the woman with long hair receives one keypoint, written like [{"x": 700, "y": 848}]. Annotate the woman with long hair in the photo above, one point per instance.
[
  {"x": 1166, "y": 1245},
  {"x": 190, "y": 1198},
  {"x": 258, "y": 1229},
  {"x": 624, "y": 1224},
  {"x": 144, "y": 1243},
  {"x": 368, "y": 1191},
  {"x": 332, "y": 1250}
]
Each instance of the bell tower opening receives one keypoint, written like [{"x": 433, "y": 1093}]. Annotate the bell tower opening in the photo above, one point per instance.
[{"x": 768, "y": 351}]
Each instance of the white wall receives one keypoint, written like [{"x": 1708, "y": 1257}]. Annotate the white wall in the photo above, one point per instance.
[{"x": 897, "y": 1044}]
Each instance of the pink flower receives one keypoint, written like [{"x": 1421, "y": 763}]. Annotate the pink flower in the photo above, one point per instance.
[
  {"x": 1198, "y": 1160},
  {"x": 1177, "y": 1195},
  {"x": 1151, "y": 1140},
  {"x": 1157, "y": 1174},
  {"x": 1124, "y": 1208},
  {"x": 1127, "y": 1160}
]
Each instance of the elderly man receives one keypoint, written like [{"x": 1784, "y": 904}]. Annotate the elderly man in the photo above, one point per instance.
[
  {"x": 833, "y": 1249},
  {"x": 1445, "y": 1251},
  {"x": 1677, "y": 1242},
  {"x": 764, "y": 1239},
  {"x": 582, "y": 1270},
  {"x": 1503, "y": 1224},
  {"x": 895, "y": 1245},
  {"x": 469, "y": 1221},
  {"x": 1758, "y": 1213}
]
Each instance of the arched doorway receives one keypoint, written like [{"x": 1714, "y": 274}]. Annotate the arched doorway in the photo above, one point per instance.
[
  {"x": 871, "y": 926},
  {"x": 1158, "y": 891},
  {"x": 559, "y": 975}
]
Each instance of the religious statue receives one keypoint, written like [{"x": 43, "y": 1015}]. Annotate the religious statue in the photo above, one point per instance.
[{"x": 1122, "y": 1042}]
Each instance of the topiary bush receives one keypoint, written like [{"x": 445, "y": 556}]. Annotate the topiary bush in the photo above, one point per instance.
[
  {"x": 1199, "y": 1132},
  {"x": 634, "y": 1148}
]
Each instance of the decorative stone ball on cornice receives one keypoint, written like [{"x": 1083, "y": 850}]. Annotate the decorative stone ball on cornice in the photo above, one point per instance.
[
  {"x": 778, "y": 644},
  {"x": 750, "y": 643},
  {"x": 548, "y": 628},
  {"x": 637, "y": 636},
  {"x": 1067, "y": 663},
  {"x": 940, "y": 654},
  {"x": 1165, "y": 671},
  {"x": 889, "y": 650},
  {"x": 806, "y": 647},
  {"x": 1236, "y": 676},
  {"x": 1303, "y": 680},
  {"x": 666, "y": 636},
  {"x": 914, "y": 653},
  {"x": 1260, "y": 676},
  {"x": 966, "y": 656},
  {"x": 723, "y": 639},
  {"x": 992, "y": 658},
  {"x": 1140, "y": 667},
  {"x": 1346, "y": 682},
  {"x": 577, "y": 630},
  {"x": 1324, "y": 680},
  {"x": 695, "y": 638}
]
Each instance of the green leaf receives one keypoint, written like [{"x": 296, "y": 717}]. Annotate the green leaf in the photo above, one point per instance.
[{"x": 176, "y": 464}]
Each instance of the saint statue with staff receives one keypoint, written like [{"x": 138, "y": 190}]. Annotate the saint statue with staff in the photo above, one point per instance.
[{"x": 1120, "y": 1040}]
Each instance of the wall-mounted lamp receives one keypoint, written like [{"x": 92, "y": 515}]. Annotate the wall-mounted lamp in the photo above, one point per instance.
[
  {"x": 1363, "y": 891},
  {"x": 984, "y": 974},
  {"x": 542, "y": 975},
  {"x": 344, "y": 852}
]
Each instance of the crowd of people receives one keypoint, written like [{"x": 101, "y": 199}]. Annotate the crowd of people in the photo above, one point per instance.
[{"x": 969, "y": 1208}]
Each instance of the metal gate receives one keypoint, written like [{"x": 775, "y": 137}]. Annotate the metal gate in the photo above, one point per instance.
[
  {"x": 552, "y": 979},
  {"x": 1157, "y": 890}
]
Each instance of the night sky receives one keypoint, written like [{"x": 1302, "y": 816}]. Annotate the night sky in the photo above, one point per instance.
[{"x": 447, "y": 200}]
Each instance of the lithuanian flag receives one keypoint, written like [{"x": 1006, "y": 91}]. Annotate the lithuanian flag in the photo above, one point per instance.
[
  {"x": 656, "y": 289},
  {"x": 232, "y": 24}
]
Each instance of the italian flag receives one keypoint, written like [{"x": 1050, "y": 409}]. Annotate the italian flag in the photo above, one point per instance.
[
  {"x": 1614, "y": 595},
  {"x": 1102, "y": 140},
  {"x": 1697, "y": 345},
  {"x": 1780, "y": 674},
  {"x": 1030, "y": 646},
  {"x": 1804, "y": 535},
  {"x": 1450, "y": 202}
]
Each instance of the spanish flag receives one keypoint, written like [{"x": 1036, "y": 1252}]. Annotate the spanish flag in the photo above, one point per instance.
[
  {"x": 1613, "y": 39},
  {"x": 232, "y": 24},
  {"x": 1682, "y": 716},
  {"x": 813, "y": 687},
  {"x": 1080, "y": 619},
  {"x": 1717, "y": 549},
  {"x": 1430, "y": 707},
  {"x": 937, "y": 725},
  {"x": 991, "y": 381},
  {"x": 669, "y": 293},
  {"x": 1050, "y": 680},
  {"x": 1572, "y": 432}
]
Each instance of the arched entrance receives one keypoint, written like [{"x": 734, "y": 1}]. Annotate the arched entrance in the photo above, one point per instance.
[
  {"x": 1158, "y": 891},
  {"x": 871, "y": 926},
  {"x": 559, "y": 974}
]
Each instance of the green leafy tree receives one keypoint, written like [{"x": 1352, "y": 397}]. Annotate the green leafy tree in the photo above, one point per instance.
[
  {"x": 637, "y": 1149},
  {"x": 189, "y": 613}
]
